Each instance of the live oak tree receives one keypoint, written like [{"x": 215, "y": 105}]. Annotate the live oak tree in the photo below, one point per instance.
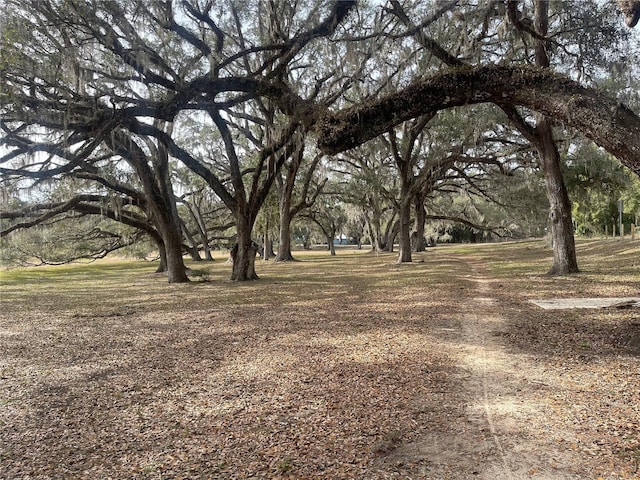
[
  {"x": 144, "y": 200},
  {"x": 433, "y": 155},
  {"x": 48, "y": 122},
  {"x": 369, "y": 183},
  {"x": 141, "y": 69},
  {"x": 154, "y": 173},
  {"x": 134, "y": 61},
  {"x": 441, "y": 91},
  {"x": 329, "y": 216},
  {"x": 96, "y": 184},
  {"x": 603, "y": 119},
  {"x": 206, "y": 219},
  {"x": 302, "y": 172},
  {"x": 540, "y": 135}
]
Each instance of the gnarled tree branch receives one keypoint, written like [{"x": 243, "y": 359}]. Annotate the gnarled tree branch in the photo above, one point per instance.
[{"x": 607, "y": 122}]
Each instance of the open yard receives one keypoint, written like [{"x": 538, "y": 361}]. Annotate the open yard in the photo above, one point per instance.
[{"x": 346, "y": 367}]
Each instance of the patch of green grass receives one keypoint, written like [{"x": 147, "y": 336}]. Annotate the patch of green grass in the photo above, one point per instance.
[
  {"x": 108, "y": 286},
  {"x": 75, "y": 272},
  {"x": 285, "y": 465}
]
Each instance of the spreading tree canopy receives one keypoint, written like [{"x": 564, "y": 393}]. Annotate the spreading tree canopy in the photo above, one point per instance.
[{"x": 92, "y": 86}]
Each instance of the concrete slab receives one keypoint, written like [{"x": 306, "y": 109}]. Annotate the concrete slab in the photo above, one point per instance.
[{"x": 608, "y": 302}]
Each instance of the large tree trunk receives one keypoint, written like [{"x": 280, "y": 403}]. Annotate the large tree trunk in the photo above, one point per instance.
[
  {"x": 169, "y": 226},
  {"x": 155, "y": 177},
  {"x": 564, "y": 249},
  {"x": 244, "y": 252},
  {"x": 284, "y": 247},
  {"x": 176, "y": 271},
  {"x": 404, "y": 230},
  {"x": 419, "y": 242}
]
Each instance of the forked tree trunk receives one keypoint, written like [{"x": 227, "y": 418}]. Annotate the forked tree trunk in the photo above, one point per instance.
[
  {"x": 390, "y": 236},
  {"x": 168, "y": 225},
  {"x": 193, "y": 250},
  {"x": 207, "y": 252},
  {"x": 244, "y": 253},
  {"x": 162, "y": 209}
]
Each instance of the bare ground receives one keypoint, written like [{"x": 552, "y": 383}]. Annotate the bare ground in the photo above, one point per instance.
[{"x": 348, "y": 368}]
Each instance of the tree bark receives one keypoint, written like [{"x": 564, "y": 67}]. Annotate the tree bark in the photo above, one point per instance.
[
  {"x": 284, "y": 247},
  {"x": 564, "y": 248},
  {"x": 288, "y": 210},
  {"x": 403, "y": 153},
  {"x": 419, "y": 242},
  {"x": 155, "y": 177},
  {"x": 404, "y": 230},
  {"x": 176, "y": 271},
  {"x": 244, "y": 252},
  {"x": 607, "y": 122}
]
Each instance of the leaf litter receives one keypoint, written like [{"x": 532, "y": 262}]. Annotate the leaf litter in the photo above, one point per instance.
[{"x": 275, "y": 381}]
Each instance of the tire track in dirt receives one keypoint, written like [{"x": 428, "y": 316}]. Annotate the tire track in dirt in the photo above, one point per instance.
[
  {"x": 500, "y": 384},
  {"x": 476, "y": 329},
  {"x": 498, "y": 424}
]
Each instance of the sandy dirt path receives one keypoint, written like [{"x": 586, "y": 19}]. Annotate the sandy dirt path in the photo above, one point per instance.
[{"x": 506, "y": 433}]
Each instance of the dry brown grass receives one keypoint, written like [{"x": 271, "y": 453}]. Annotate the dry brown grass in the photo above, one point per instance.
[{"x": 326, "y": 368}]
